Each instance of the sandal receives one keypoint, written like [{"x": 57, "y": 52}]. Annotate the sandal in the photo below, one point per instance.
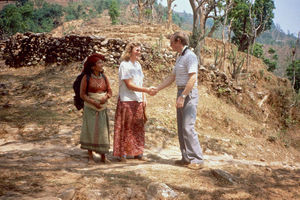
[{"x": 141, "y": 158}]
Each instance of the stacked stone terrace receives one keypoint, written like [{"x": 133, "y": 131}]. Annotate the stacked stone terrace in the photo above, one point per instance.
[{"x": 40, "y": 48}]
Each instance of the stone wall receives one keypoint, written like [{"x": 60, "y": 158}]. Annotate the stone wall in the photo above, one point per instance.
[{"x": 40, "y": 48}]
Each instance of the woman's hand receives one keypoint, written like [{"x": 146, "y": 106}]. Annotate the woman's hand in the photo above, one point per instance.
[
  {"x": 98, "y": 105},
  {"x": 144, "y": 103},
  {"x": 103, "y": 99}
]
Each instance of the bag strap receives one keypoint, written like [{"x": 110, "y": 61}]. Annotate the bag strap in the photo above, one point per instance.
[
  {"x": 87, "y": 83},
  {"x": 105, "y": 78}
]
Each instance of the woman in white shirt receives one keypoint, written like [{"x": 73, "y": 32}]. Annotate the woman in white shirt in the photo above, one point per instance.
[{"x": 129, "y": 134}]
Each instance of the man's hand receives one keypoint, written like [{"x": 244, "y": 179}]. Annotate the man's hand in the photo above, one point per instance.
[
  {"x": 180, "y": 102},
  {"x": 153, "y": 91}
]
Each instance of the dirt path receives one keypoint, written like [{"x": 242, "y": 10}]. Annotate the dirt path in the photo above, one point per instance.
[
  {"x": 52, "y": 167},
  {"x": 40, "y": 157}
]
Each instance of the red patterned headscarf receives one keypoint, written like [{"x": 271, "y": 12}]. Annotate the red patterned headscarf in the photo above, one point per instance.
[{"x": 91, "y": 61}]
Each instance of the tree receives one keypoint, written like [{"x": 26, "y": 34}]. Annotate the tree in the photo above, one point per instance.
[
  {"x": 74, "y": 10},
  {"x": 250, "y": 19},
  {"x": 15, "y": 19},
  {"x": 150, "y": 9},
  {"x": 272, "y": 61},
  {"x": 161, "y": 13},
  {"x": 202, "y": 10},
  {"x": 47, "y": 17},
  {"x": 141, "y": 6},
  {"x": 294, "y": 52},
  {"x": 101, "y": 5},
  {"x": 114, "y": 12},
  {"x": 170, "y": 9},
  {"x": 227, "y": 8},
  {"x": 293, "y": 73}
]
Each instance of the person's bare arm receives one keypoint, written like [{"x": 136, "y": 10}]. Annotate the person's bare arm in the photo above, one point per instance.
[
  {"x": 131, "y": 86},
  {"x": 166, "y": 82},
  {"x": 189, "y": 86},
  {"x": 84, "y": 96}
]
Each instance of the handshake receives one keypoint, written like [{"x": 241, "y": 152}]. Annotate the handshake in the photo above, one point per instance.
[{"x": 152, "y": 90}]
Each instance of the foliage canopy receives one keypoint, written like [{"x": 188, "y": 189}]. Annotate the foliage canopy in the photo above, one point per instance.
[{"x": 246, "y": 29}]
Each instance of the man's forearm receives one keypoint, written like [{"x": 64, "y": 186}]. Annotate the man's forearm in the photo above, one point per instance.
[
  {"x": 190, "y": 84},
  {"x": 168, "y": 81}
]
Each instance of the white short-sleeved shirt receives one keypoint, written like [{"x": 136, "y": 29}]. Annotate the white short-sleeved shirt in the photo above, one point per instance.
[
  {"x": 129, "y": 70},
  {"x": 185, "y": 64}
]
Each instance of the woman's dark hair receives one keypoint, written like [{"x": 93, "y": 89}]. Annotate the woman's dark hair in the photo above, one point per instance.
[{"x": 91, "y": 61}]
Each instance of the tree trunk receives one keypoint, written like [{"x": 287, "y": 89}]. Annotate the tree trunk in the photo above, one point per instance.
[
  {"x": 201, "y": 10},
  {"x": 170, "y": 13},
  {"x": 293, "y": 60},
  {"x": 141, "y": 10}
]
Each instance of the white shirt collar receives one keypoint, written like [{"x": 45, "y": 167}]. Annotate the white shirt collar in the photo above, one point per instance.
[{"x": 183, "y": 49}]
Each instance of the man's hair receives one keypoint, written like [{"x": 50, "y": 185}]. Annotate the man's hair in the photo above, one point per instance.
[{"x": 182, "y": 37}]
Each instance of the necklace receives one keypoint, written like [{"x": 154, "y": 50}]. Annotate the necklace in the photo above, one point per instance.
[{"x": 97, "y": 77}]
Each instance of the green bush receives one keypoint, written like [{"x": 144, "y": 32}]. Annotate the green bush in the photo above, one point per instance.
[
  {"x": 15, "y": 19},
  {"x": 23, "y": 18},
  {"x": 271, "y": 63},
  {"x": 114, "y": 12},
  {"x": 258, "y": 50}
]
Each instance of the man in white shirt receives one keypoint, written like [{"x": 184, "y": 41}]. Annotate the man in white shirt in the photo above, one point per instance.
[{"x": 185, "y": 74}]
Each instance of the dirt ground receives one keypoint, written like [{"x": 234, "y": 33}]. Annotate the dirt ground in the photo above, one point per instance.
[{"x": 40, "y": 155}]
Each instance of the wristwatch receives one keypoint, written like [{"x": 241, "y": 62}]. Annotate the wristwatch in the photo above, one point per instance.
[{"x": 183, "y": 96}]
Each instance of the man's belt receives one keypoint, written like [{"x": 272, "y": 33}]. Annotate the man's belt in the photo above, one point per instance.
[{"x": 181, "y": 87}]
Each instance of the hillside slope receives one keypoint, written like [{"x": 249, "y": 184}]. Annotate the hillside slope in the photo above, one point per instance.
[{"x": 251, "y": 148}]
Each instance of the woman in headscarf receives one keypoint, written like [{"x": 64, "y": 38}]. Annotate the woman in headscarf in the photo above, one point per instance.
[
  {"x": 95, "y": 92},
  {"x": 129, "y": 134}
]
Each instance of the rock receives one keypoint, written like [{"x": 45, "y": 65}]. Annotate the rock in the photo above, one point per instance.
[
  {"x": 208, "y": 151},
  {"x": 8, "y": 129},
  {"x": 223, "y": 176},
  {"x": 202, "y": 68},
  {"x": 129, "y": 193},
  {"x": 43, "y": 198},
  {"x": 212, "y": 67},
  {"x": 31, "y": 127},
  {"x": 67, "y": 194},
  {"x": 238, "y": 88},
  {"x": 251, "y": 95},
  {"x": 90, "y": 194},
  {"x": 157, "y": 190},
  {"x": 272, "y": 138}
]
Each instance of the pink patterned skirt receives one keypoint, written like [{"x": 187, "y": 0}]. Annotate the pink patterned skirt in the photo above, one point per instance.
[{"x": 129, "y": 134}]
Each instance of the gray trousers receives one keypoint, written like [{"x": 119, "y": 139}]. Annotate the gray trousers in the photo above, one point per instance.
[{"x": 188, "y": 138}]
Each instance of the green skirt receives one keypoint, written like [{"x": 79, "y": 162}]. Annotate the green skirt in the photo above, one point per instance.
[{"x": 95, "y": 130}]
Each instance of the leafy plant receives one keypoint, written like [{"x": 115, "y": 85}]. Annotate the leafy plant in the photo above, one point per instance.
[
  {"x": 261, "y": 73},
  {"x": 236, "y": 63},
  {"x": 258, "y": 51},
  {"x": 272, "y": 61},
  {"x": 218, "y": 56},
  {"x": 242, "y": 27},
  {"x": 25, "y": 17},
  {"x": 114, "y": 12}
]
